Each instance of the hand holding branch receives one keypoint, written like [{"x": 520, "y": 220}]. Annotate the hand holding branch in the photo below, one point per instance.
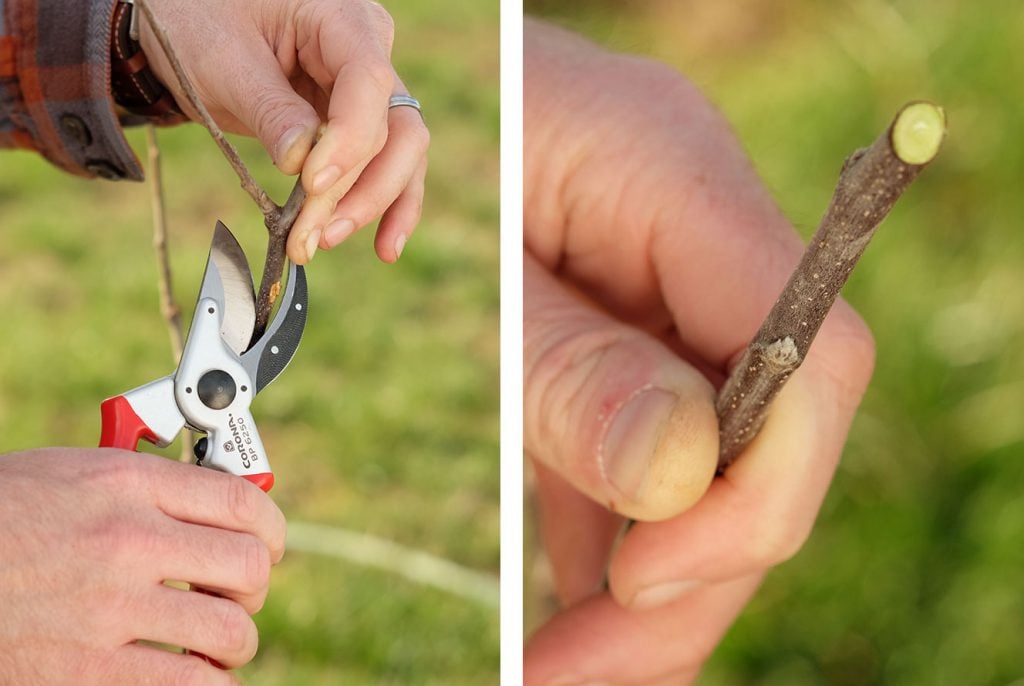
[
  {"x": 652, "y": 253},
  {"x": 371, "y": 159}
]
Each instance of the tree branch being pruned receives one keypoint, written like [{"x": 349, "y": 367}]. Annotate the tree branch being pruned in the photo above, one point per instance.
[
  {"x": 870, "y": 183},
  {"x": 278, "y": 219},
  {"x": 279, "y": 226}
]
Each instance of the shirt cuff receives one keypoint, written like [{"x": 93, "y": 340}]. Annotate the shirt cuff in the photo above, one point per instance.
[{"x": 64, "y": 75}]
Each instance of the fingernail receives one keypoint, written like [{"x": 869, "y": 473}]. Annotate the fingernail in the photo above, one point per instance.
[
  {"x": 399, "y": 245},
  {"x": 288, "y": 146},
  {"x": 632, "y": 438},
  {"x": 312, "y": 240},
  {"x": 325, "y": 178},
  {"x": 657, "y": 595},
  {"x": 339, "y": 230}
]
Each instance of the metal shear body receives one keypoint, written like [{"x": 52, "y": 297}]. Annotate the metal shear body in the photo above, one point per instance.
[{"x": 219, "y": 372}]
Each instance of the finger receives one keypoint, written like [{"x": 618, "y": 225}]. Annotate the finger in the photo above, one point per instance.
[
  {"x": 598, "y": 641},
  {"x": 578, "y": 535},
  {"x": 349, "y": 56},
  {"x": 233, "y": 565},
  {"x": 357, "y": 125},
  {"x": 147, "y": 666},
  {"x": 400, "y": 220},
  {"x": 384, "y": 179},
  {"x": 761, "y": 511},
  {"x": 375, "y": 181},
  {"x": 283, "y": 121},
  {"x": 216, "y": 499},
  {"x": 611, "y": 409},
  {"x": 307, "y": 231},
  {"x": 358, "y": 74},
  {"x": 202, "y": 623}
]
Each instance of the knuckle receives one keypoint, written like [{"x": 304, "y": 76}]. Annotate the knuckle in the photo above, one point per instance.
[
  {"x": 380, "y": 73},
  {"x": 100, "y": 666},
  {"x": 355, "y": 154},
  {"x": 560, "y": 371},
  {"x": 371, "y": 202},
  {"x": 116, "y": 469},
  {"x": 278, "y": 536},
  {"x": 375, "y": 143},
  {"x": 419, "y": 135},
  {"x": 256, "y": 574},
  {"x": 254, "y": 604},
  {"x": 384, "y": 23},
  {"x": 271, "y": 114},
  {"x": 111, "y": 608},
  {"x": 416, "y": 207},
  {"x": 118, "y": 539},
  {"x": 237, "y": 636},
  {"x": 361, "y": 152},
  {"x": 242, "y": 501}
]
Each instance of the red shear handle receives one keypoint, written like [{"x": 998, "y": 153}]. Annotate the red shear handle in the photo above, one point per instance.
[
  {"x": 122, "y": 428},
  {"x": 265, "y": 480}
]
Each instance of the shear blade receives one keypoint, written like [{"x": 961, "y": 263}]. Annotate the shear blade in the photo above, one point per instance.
[
  {"x": 229, "y": 281},
  {"x": 268, "y": 356}
]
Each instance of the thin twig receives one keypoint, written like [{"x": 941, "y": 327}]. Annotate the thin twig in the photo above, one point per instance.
[
  {"x": 168, "y": 307},
  {"x": 278, "y": 228},
  {"x": 870, "y": 183}
]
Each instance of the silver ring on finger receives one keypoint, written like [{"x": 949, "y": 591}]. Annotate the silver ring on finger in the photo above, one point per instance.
[{"x": 400, "y": 100}]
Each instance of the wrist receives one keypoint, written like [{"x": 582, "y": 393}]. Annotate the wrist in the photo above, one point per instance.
[{"x": 135, "y": 86}]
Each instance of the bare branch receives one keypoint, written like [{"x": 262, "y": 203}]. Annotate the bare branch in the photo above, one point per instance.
[
  {"x": 169, "y": 308},
  {"x": 278, "y": 227},
  {"x": 870, "y": 183}
]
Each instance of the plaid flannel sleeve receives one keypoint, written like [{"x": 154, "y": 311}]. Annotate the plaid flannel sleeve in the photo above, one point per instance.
[{"x": 55, "y": 86}]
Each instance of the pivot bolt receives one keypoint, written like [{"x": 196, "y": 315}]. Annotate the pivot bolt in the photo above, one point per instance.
[{"x": 216, "y": 389}]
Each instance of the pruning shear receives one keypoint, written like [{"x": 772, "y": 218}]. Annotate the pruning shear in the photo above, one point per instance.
[{"x": 220, "y": 371}]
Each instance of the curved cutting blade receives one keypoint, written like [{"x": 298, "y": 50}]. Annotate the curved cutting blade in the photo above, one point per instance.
[
  {"x": 268, "y": 357},
  {"x": 229, "y": 281}
]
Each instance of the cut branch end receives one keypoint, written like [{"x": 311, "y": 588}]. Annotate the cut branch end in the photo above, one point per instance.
[{"x": 918, "y": 131}]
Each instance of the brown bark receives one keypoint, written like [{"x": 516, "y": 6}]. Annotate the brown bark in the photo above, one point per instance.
[
  {"x": 168, "y": 306},
  {"x": 870, "y": 183}
]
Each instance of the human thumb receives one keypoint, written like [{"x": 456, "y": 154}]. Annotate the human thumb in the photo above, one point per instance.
[
  {"x": 611, "y": 408},
  {"x": 240, "y": 82},
  {"x": 266, "y": 104}
]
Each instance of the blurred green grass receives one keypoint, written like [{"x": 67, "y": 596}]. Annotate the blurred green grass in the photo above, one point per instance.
[
  {"x": 913, "y": 573},
  {"x": 387, "y": 420}
]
